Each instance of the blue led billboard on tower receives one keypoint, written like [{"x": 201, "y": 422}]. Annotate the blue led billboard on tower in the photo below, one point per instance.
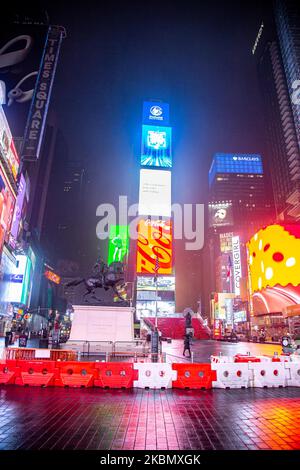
[
  {"x": 247, "y": 163},
  {"x": 155, "y": 113},
  {"x": 156, "y": 146}
]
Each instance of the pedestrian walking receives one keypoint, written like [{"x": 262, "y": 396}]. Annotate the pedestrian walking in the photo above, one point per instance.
[{"x": 187, "y": 346}]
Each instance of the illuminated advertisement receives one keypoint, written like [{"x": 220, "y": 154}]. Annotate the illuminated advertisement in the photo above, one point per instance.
[
  {"x": 223, "y": 306},
  {"x": 51, "y": 276},
  {"x": 7, "y": 202},
  {"x": 154, "y": 242},
  {"x": 164, "y": 283},
  {"x": 155, "y": 113},
  {"x": 156, "y": 146},
  {"x": 226, "y": 242},
  {"x": 220, "y": 214},
  {"x": 155, "y": 193},
  {"x": 217, "y": 329},
  {"x": 22, "y": 47},
  {"x": 8, "y": 152},
  {"x": 166, "y": 296},
  {"x": 236, "y": 261},
  {"x": 274, "y": 268},
  {"x": 18, "y": 208},
  {"x": 148, "y": 309},
  {"x": 235, "y": 163},
  {"x": 118, "y": 243}
]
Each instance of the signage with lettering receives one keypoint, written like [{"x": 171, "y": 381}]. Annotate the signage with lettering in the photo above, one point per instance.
[
  {"x": 237, "y": 268},
  {"x": 39, "y": 106}
]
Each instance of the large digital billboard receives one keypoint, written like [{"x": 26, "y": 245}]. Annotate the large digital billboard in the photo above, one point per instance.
[
  {"x": 22, "y": 47},
  {"x": 154, "y": 243},
  {"x": 220, "y": 214},
  {"x": 148, "y": 309},
  {"x": 155, "y": 193},
  {"x": 156, "y": 146},
  {"x": 246, "y": 163},
  {"x": 118, "y": 243},
  {"x": 166, "y": 283},
  {"x": 18, "y": 210},
  {"x": 8, "y": 153},
  {"x": 274, "y": 268},
  {"x": 155, "y": 113},
  {"x": 7, "y": 202}
]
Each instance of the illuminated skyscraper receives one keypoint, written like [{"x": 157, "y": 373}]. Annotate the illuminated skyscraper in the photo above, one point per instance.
[{"x": 277, "y": 52}]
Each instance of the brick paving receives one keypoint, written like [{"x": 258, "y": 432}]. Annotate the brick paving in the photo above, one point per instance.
[{"x": 57, "y": 418}]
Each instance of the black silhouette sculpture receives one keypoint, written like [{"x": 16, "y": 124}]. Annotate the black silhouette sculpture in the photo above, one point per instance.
[{"x": 103, "y": 277}]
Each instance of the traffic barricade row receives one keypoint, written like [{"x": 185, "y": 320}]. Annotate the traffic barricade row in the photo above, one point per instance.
[{"x": 239, "y": 374}]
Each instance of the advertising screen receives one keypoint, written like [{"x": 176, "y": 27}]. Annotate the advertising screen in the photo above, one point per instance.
[
  {"x": 156, "y": 146},
  {"x": 154, "y": 243},
  {"x": 7, "y": 267},
  {"x": 7, "y": 147},
  {"x": 18, "y": 209},
  {"x": 148, "y": 309},
  {"x": 155, "y": 193},
  {"x": 7, "y": 202},
  {"x": 155, "y": 113},
  {"x": 21, "y": 48},
  {"x": 118, "y": 243},
  {"x": 274, "y": 268},
  {"x": 235, "y": 163},
  {"x": 226, "y": 242},
  {"x": 167, "y": 296},
  {"x": 274, "y": 257},
  {"x": 51, "y": 276},
  {"x": 166, "y": 283},
  {"x": 220, "y": 214},
  {"x": 16, "y": 280}
]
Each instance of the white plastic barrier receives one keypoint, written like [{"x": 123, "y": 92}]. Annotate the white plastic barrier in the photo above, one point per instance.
[
  {"x": 292, "y": 373},
  {"x": 232, "y": 375},
  {"x": 154, "y": 375},
  {"x": 221, "y": 359},
  {"x": 268, "y": 374}
]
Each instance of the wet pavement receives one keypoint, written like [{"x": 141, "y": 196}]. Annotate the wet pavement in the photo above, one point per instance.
[
  {"x": 203, "y": 349},
  {"x": 58, "y": 418}
]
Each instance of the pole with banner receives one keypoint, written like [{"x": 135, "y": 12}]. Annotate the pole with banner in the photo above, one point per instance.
[{"x": 155, "y": 335}]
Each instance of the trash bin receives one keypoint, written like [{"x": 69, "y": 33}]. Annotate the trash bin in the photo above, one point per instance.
[{"x": 44, "y": 343}]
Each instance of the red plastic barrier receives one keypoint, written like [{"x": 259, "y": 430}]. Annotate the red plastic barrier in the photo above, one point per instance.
[
  {"x": 76, "y": 374},
  {"x": 194, "y": 376},
  {"x": 9, "y": 371},
  {"x": 115, "y": 375},
  {"x": 246, "y": 358},
  {"x": 37, "y": 373}
]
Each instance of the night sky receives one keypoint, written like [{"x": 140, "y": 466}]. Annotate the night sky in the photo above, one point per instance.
[{"x": 194, "y": 55}]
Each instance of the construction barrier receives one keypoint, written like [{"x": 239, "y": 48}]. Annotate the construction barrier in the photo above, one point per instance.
[
  {"x": 193, "y": 376},
  {"x": 30, "y": 354},
  {"x": 37, "y": 373},
  {"x": 62, "y": 355},
  {"x": 231, "y": 375},
  {"x": 154, "y": 375},
  {"x": 115, "y": 374},
  {"x": 221, "y": 359},
  {"x": 292, "y": 374},
  {"x": 268, "y": 374},
  {"x": 20, "y": 353},
  {"x": 75, "y": 374},
  {"x": 240, "y": 358},
  {"x": 9, "y": 371}
]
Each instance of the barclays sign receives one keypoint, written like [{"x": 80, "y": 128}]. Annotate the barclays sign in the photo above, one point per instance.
[{"x": 155, "y": 113}]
